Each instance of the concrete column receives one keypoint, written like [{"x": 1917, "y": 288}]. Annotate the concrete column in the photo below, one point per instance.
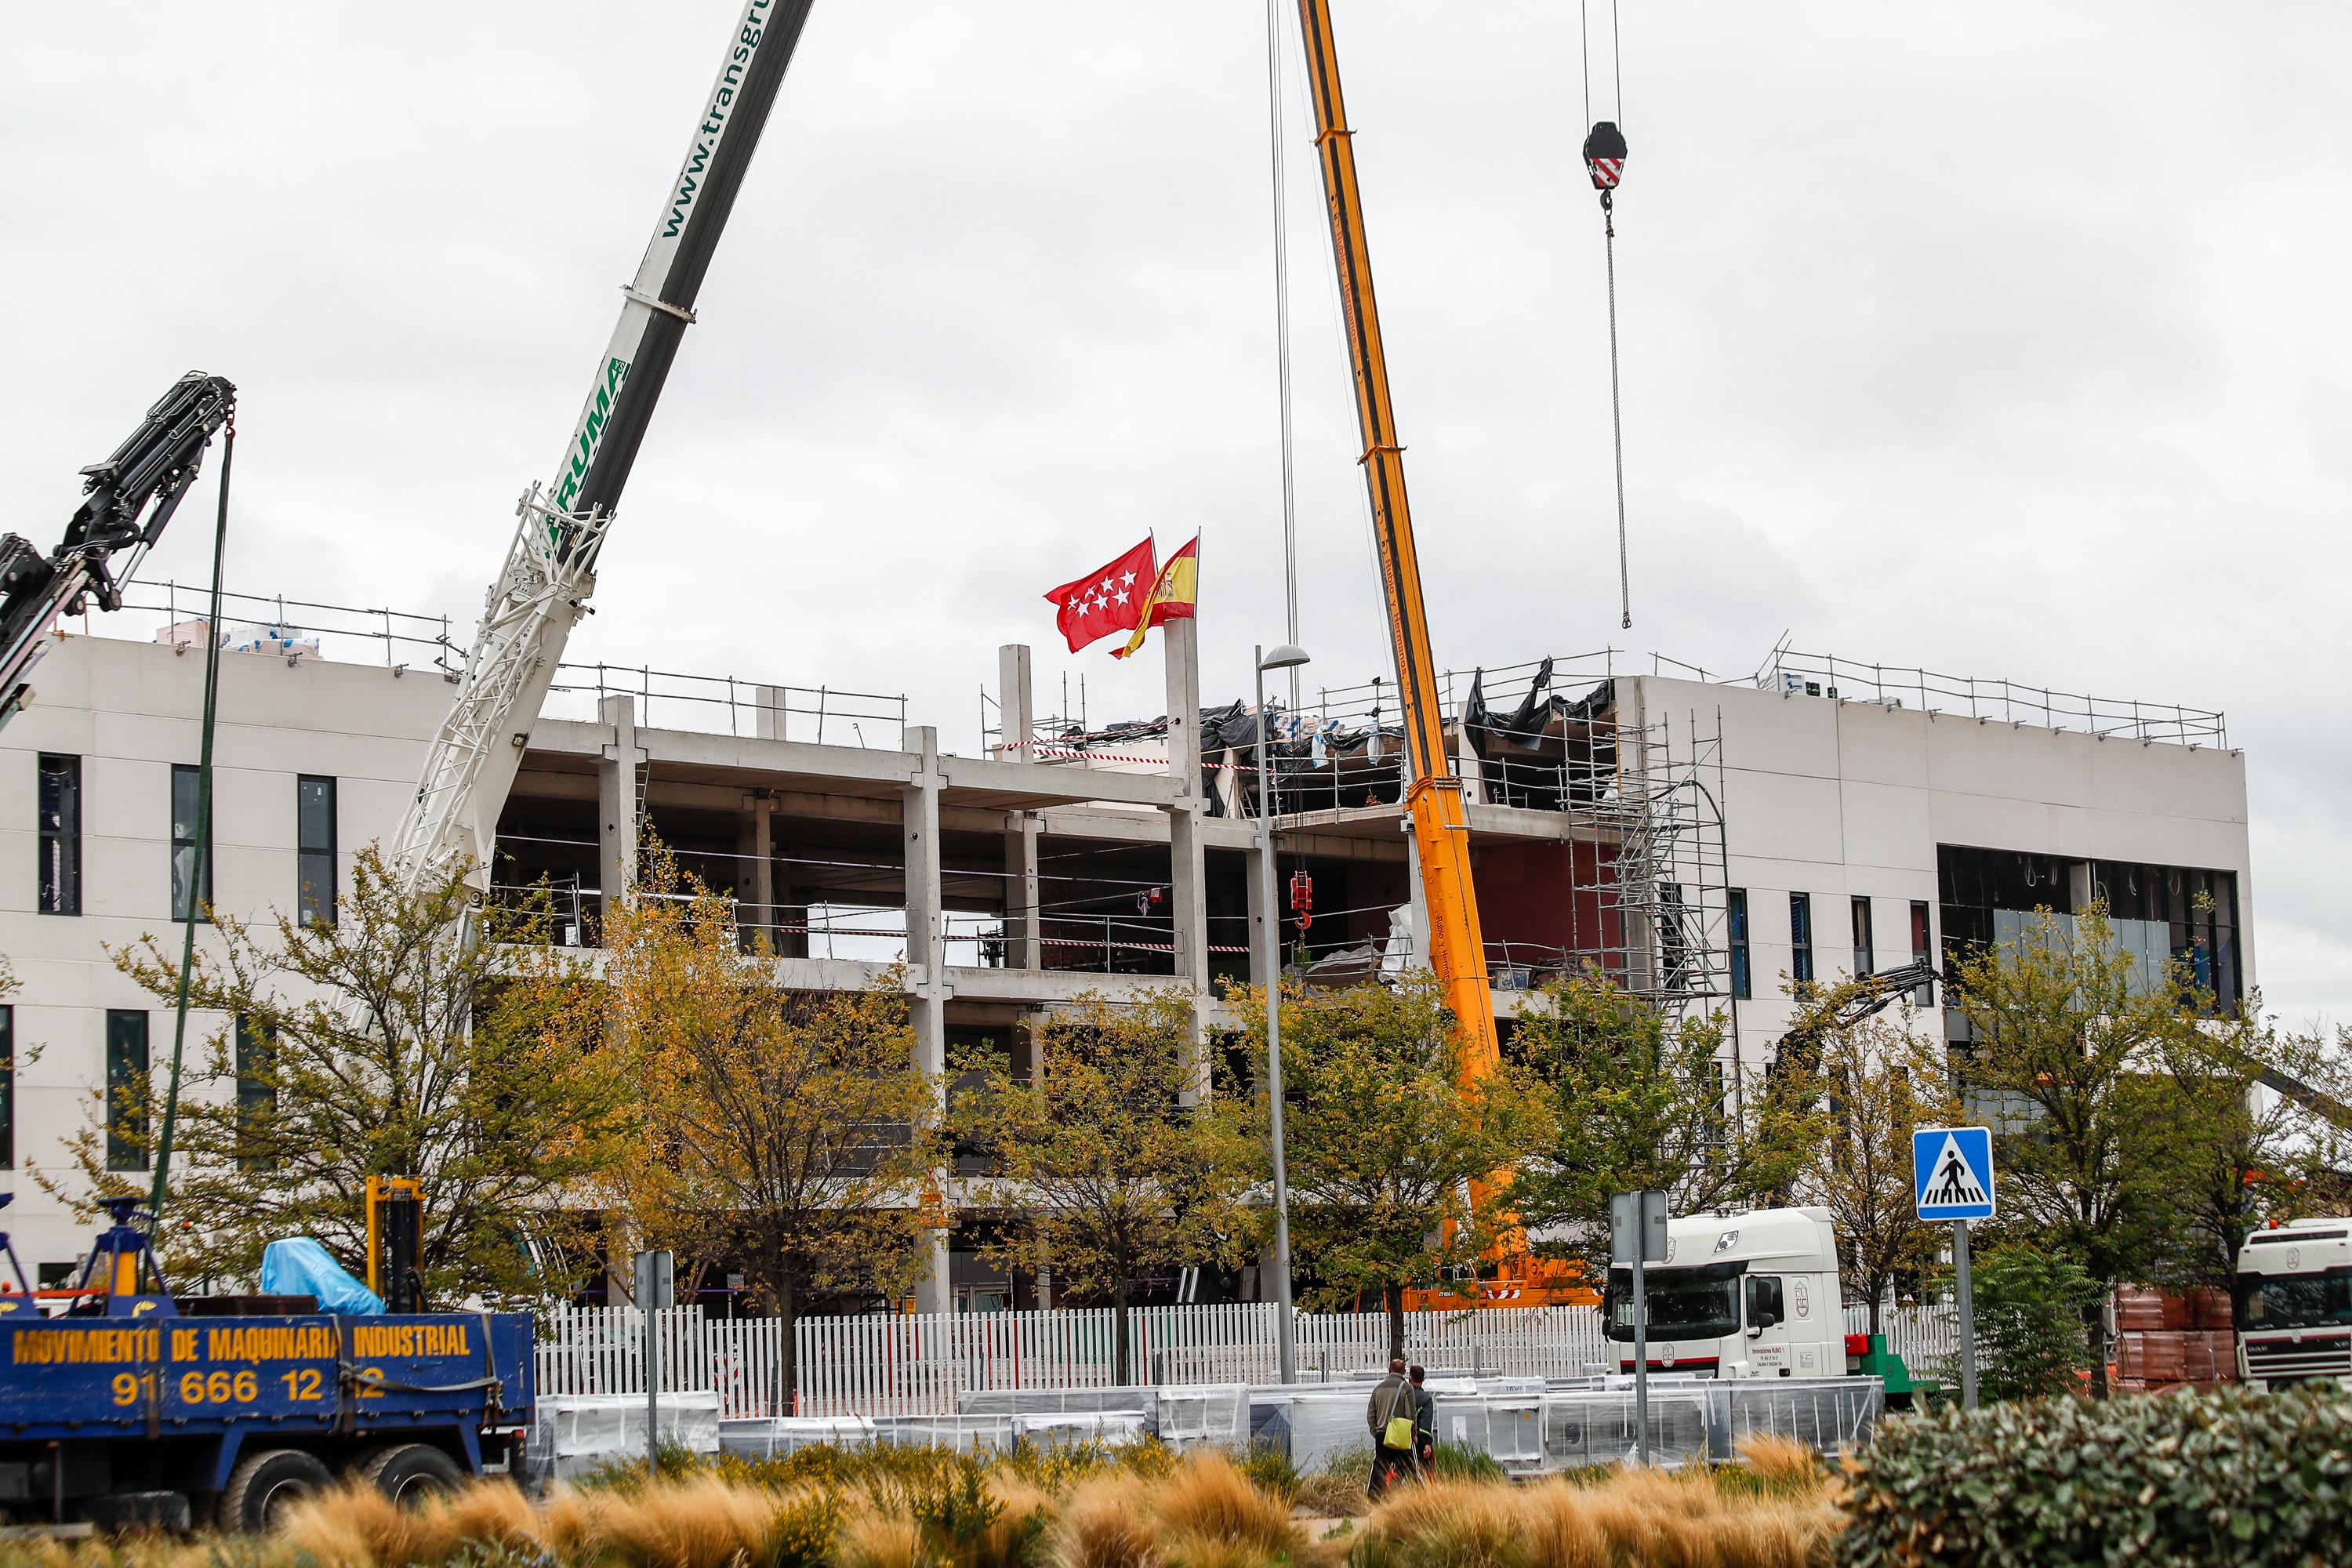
[
  {"x": 1024, "y": 888},
  {"x": 1017, "y": 720},
  {"x": 616, "y": 799},
  {"x": 926, "y": 966},
  {"x": 1187, "y": 870},
  {"x": 768, "y": 713},
  {"x": 755, "y": 872},
  {"x": 1016, "y": 710}
]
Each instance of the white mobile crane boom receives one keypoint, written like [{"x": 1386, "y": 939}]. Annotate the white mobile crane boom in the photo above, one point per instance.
[{"x": 550, "y": 568}]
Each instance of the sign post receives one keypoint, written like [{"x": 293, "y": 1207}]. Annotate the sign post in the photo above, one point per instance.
[
  {"x": 656, "y": 1289},
  {"x": 1951, "y": 1174},
  {"x": 1637, "y": 1237}
]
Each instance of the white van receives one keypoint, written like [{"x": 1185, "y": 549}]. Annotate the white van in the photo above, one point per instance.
[{"x": 1739, "y": 1295}]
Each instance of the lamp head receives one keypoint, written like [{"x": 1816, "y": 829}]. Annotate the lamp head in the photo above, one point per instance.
[{"x": 1289, "y": 656}]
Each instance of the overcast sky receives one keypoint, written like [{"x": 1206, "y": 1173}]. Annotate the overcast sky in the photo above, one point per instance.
[{"x": 2008, "y": 341}]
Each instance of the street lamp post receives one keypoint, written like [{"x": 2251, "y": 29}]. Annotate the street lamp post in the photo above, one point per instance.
[{"x": 1289, "y": 656}]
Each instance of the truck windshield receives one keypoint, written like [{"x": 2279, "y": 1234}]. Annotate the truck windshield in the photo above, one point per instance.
[
  {"x": 1700, "y": 1303},
  {"x": 2318, "y": 1300}
]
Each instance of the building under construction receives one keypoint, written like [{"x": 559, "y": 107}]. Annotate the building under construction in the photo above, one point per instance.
[{"x": 1702, "y": 840}]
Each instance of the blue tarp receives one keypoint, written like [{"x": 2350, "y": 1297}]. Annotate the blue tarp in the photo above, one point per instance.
[{"x": 298, "y": 1265}]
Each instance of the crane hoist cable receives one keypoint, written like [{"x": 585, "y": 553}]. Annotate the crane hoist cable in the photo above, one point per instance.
[{"x": 1604, "y": 160}]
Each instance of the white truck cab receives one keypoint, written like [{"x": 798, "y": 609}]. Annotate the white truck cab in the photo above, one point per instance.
[
  {"x": 2293, "y": 1302},
  {"x": 1739, "y": 1295}
]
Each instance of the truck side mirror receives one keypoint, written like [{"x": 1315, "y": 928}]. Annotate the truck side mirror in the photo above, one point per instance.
[{"x": 1763, "y": 1302}]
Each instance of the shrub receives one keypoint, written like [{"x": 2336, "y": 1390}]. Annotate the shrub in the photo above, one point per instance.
[
  {"x": 2029, "y": 1319},
  {"x": 2232, "y": 1476}
]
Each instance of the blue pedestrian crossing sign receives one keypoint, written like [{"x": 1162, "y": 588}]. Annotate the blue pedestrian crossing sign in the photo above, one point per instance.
[{"x": 1952, "y": 1171}]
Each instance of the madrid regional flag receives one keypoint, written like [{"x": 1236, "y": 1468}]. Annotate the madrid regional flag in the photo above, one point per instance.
[
  {"x": 1107, "y": 599},
  {"x": 1175, "y": 593}
]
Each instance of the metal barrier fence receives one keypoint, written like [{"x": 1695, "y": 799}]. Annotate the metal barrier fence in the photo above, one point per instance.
[{"x": 931, "y": 1364}]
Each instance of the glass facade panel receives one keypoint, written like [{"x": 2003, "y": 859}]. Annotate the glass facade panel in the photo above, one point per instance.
[
  {"x": 1735, "y": 901},
  {"x": 188, "y": 896},
  {"x": 126, "y": 1090},
  {"x": 61, "y": 825},
  {"x": 1801, "y": 937},
  {"x": 1865, "y": 949},
  {"x": 314, "y": 812}
]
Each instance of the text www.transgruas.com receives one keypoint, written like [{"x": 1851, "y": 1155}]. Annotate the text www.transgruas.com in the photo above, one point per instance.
[{"x": 714, "y": 121}]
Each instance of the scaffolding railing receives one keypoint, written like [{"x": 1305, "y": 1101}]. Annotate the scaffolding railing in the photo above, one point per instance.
[
  {"x": 2008, "y": 701},
  {"x": 403, "y": 638},
  {"x": 730, "y": 705}
]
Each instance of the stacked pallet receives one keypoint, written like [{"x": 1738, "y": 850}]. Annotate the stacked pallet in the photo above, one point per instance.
[{"x": 2173, "y": 1342}]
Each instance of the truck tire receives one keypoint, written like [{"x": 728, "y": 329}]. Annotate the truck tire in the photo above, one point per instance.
[
  {"x": 265, "y": 1484},
  {"x": 408, "y": 1473}
]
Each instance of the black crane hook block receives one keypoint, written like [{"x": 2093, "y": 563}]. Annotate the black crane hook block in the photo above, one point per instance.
[{"x": 1605, "y": 156}]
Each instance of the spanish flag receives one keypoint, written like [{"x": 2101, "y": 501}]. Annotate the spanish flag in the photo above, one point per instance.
[{"x": 1174, "y": 594}]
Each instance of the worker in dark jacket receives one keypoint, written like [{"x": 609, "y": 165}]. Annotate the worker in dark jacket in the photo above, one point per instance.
[
  {"x": 1390, "y": 1415},
  {"x": 1424, "y": 1424}
]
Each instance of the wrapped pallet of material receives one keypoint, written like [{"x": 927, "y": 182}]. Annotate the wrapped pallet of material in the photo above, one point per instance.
[
  {"x": 781, "y": 1436},
  {"x": 1073, "y": 1428},
  {"x": 578, "y": 1432},
  {"x": 1210, "y": 1415}
]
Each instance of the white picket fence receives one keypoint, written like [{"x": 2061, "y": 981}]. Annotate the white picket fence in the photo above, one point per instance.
[{"x": 921, "y": 1365}]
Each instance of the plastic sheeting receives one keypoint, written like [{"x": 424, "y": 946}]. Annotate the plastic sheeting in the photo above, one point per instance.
[
  {"x": 1181, "y": 1416},
  {"x": 1529, "y": 1428},
  {"x": 298, "y": 1265},
  {"x": 580, "y": 1431}
]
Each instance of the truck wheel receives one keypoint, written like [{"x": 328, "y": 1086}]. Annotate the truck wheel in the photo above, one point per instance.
[
  {"x": 408, "y": 1473},
  {"x": 264, "y": 1486}
]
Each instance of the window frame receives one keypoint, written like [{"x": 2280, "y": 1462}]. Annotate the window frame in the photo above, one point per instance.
[
  {"x": 257, "y": 1097},
  {"x": 57, "y": 889},
  {"x": 305, "y": 852},
  {"x": 1866, "y": 946},
  {"x": 182, "y": 904}
]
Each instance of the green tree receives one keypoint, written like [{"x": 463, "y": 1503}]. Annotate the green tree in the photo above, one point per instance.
[
  {"x": 1391, "y": 1147},
  {"x": 1878, "y": 1081},
  {"x": 2066, "y": 1060},
  {"x": 2249, "y": 1154},
  {"x": 790, "y": 1132},
  {"x": 1639, "y": 1100},
  {"x": 2030, "y": 1308},
  {"x": 1100, "y": 1168},
  {"x": 396, "y": 1042}
]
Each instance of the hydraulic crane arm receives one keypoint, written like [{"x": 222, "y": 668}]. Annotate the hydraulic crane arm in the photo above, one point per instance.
[
  {"x": 1441, "y": 827},
  {"x": 549, "y": 572},
  {"x": 126, "y": 501}
]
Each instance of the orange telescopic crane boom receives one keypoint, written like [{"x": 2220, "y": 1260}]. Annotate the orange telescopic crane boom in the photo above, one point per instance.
[{"x": 1441, "y": 827}]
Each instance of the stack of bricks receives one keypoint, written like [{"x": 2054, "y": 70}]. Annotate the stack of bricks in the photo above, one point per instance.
[{"x": 2173, "y": 1342}]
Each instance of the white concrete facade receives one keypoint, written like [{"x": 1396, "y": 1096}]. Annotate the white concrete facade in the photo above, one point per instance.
[
  {"x": 1845, "y": 799},
  {"x": 130, "y": 711}
]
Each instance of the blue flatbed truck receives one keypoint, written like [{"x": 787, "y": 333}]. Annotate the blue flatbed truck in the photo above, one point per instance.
[{"x": 137, "y": 1409}]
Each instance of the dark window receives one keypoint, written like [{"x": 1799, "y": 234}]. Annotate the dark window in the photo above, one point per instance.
[
  {"x": 1674, "y": 937},
  {"x": 1923, "y": 950},
  {"x": 61, "y": 815},
  {"x": 190, "y": 892},
  {"x": 1801, "y": 937},
  {"x": 1735, "y": 903},
  {"x": 126, "y": 1090},
  {"x": 8, "y": 1088},
  {"x": 314, "y": 812},
  {"x": 1689, "y": 1303},
  {"x": 1865, "y": 958},
  {"x": 257, "y": 1091}
]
